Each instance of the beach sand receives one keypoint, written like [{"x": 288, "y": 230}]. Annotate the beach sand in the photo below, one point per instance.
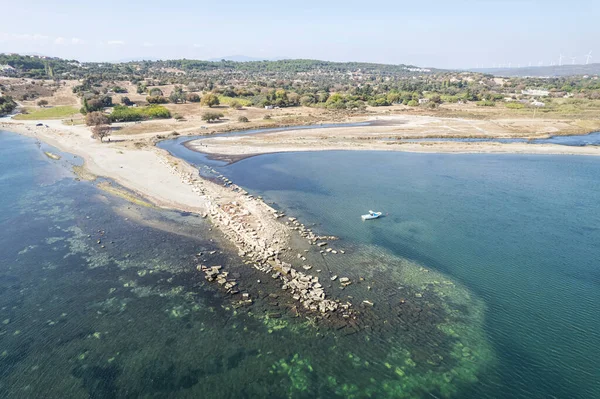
[{"x": 386, "y": 134}]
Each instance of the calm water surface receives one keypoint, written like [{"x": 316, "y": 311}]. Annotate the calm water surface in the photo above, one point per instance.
[
  {"x": 521, "y": 232},
  {"x": 484, "y": 277}
]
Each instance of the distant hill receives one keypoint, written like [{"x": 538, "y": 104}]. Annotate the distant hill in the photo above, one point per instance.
[
  {"x": 245, "y": 58},
  {"x": 551, "y": 71}
]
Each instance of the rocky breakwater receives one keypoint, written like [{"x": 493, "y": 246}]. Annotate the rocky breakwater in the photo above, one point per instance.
[{"x": 261, "y": 239}]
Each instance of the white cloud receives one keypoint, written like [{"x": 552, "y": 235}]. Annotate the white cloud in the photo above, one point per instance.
[
  {"x": 115, "y": 42},
  {"x": 76, "y": 40},
  {"x": 146, "y": 44},
  {"x": 59, "y": 40},
  {"x": 198, "y": 45}
]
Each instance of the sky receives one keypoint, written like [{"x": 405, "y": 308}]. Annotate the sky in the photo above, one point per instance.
[{"x": 432, "y": 33}]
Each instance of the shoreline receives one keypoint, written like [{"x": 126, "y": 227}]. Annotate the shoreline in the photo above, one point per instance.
[
  {"x": 383, "y": 134},
  {"x": 253, "y": 227}
]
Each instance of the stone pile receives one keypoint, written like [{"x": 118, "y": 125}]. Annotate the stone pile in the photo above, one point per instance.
[{"x": 244, "y": 222}]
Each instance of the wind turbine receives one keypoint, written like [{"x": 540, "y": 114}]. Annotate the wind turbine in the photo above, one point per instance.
[
  {"x": 588, "y": 56},
  {"x": 560, "y": 57},
  {"x": 573, "y": 60}
]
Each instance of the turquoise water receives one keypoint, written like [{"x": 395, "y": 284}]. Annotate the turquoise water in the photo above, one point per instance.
[
  {"x": 100, "y": 298},
  {"x": 520, "y": 232},
  {"x": 483, "y": 276}
]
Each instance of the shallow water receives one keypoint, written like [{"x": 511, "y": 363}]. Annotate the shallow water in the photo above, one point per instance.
[
  {"x": 101, "y": 298},
  {"x": 569, "y": 140},
  {"x": 483, "y": 276},
  {"x": 519, "y": 231}
]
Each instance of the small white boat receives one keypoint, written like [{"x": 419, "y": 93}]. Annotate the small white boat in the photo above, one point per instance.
[{"x": 371, "y": 215}]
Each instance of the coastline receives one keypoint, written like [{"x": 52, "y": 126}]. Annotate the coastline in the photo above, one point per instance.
[
  {"x": 252, "y": 226},
  {"x": 384, "y": 136},
  {"x": 249, "y": 223}
]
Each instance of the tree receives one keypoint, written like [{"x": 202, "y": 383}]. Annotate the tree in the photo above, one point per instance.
[
  {"x": 192, "y": 97},
  {"x": 96, "y": 118},
  {"x": 101, "y": 131},
  {"x": 99, "y": 123},
  {"x": 210, "y": 100},
  {"x": 177, "y": 95},
  {"x": 7, "y": 105},
  {"x": 155, "y": 92},
  {"x": 211, "y": 116},
  {"x": 126, "y": 101},
  {"x": 243, "y": 119},
  {"x": 42, "y": 103}
]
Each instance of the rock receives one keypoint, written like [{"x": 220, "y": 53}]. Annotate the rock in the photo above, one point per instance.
[
  {"x": 368, "y": 303},
  {"x": 321, "y": 244},
  {"x": 344, "y": 280},
  {"x": 333, "y": 278}
]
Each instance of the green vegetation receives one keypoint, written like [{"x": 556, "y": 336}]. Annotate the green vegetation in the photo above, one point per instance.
[
  {"x": 211, "y": 116},
  {"x": 243, "y": 119},
  {"x": 210, "y": 100},
  {"x": 7, "y": 105},
  {"x": 48, "y": 113},
  {"x": 337, "y": 86},
  {"x": 513, "y": 105},
  {"x": 156, "y": 100},
  {"x": 177, "y": 95},
  {"x": 92, "y": 103},
  {"x": 227, "y": 100},
  {"x": 130, "y": 114},
  {"x": 192, "y": 97}
]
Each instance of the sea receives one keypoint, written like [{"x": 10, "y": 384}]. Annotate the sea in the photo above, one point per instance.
[{"x": 481, "y": 280}]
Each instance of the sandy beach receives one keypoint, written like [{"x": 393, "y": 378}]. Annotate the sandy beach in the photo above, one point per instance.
[
  {"x": 251, "y": 225},
  {"x": 385, "y": 134},
  {"x": 265, "y": 238}
]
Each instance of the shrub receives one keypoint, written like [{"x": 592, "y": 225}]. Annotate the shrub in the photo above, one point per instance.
[
  {"x": 192, "y": 97},
  {"x": 235, "y": 104},
  {"x": 515, "y": 105},
  {"x": 211, "y": 116},
  {"x": 156, "y": 100},
  {"x": 267, "y": 117},
  {"x": 243, "y": 119},
  {"x": 413, "y": 103},
  {"x": 485, "y": 103},
  {"x": 119, "y": 89},
  {"x": 42, "y": 103}
]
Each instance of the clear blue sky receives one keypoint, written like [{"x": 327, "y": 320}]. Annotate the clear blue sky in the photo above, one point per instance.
[{"x": 439, "y": 33}]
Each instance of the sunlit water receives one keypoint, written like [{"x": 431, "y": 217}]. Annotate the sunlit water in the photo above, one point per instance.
[
  {"x": 482, "y": 276},
  {"x": 521, "y": 232}
]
